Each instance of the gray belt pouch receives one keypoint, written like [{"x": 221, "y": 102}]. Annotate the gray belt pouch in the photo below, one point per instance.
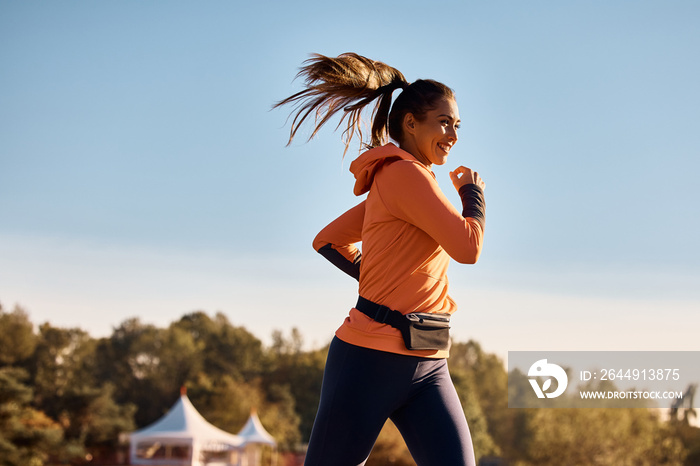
[
  {"x": 425, "y": 331},
  {"x": 420, "y": 330}
]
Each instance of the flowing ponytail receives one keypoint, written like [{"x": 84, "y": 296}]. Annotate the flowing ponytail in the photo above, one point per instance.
[{"x": 347, "y": 83}]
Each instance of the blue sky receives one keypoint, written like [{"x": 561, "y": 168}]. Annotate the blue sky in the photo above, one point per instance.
[{"x": 142, "y": 172}]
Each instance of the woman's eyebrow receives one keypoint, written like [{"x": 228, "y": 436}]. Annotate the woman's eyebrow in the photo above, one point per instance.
[{"x": 448, "y": 116}]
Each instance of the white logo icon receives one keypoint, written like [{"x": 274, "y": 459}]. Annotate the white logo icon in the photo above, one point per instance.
[{"x": 543, "y": 369}]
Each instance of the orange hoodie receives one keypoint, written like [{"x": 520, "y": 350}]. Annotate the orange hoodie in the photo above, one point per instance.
[{"x": 409, "y": 231}]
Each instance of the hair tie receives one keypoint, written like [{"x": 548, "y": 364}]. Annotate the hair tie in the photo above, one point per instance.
[{"x": 389, "y": 88}]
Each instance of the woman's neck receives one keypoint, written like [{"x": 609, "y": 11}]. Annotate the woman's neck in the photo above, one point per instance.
[{"x": 411, "y": 148}]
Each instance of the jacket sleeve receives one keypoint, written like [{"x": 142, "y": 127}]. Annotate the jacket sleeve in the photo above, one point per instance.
[
  {"x": 410, "y": 192},
  {"x": 336, "y": 242}
]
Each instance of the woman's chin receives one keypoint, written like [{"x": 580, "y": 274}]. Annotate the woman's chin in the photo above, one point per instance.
[{"x": 440, "y": 160}]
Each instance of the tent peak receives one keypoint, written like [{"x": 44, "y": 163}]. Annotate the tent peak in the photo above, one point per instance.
[{"x": 254, "y": 432}]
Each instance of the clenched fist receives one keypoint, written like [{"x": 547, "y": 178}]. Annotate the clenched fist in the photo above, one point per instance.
[{"x": 464, "y": 175}]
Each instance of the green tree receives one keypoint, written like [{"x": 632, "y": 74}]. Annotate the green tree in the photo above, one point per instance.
[
  {"x": 481, "y": 382},
  {"x": 227, "y": 403},
  {"x": 301, "y": 372},
  {"x": 592, "y": 437},
  {"x": 390, "y": 449},
  {"x": 226, "y": 349},
  {"x": 27, "y": 436},
  {"x": 63, "y": 359},
  {"x": 690, "y": 437},
  {"x": 93, "y": 420},
  {"x": 148, "y": 365},
  {"x": 130, "y": 360},
  {"x": 178, "y": 359},
  {"x": 17, "y": 339},
  {"x": 67, "y": 390}
]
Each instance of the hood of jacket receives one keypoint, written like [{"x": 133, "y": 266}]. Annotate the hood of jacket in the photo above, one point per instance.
[{"x": 368, "y": 164}]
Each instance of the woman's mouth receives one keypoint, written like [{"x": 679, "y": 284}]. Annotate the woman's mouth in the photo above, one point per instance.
[{"x": 444, "y": 147}]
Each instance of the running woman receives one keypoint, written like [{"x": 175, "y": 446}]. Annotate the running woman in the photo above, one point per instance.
[{"x": 384, "y": 362}]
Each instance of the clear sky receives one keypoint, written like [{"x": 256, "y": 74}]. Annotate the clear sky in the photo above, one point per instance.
[{"x": 142, "y": 172}]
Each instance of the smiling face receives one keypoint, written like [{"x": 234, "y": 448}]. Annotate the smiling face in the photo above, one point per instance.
[{"x": 430, "y": 139}]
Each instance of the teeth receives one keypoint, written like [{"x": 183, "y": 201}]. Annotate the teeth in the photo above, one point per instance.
[{"x": 444, "y": 147}]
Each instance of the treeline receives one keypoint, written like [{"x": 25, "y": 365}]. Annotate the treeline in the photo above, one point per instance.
[{"x": 67, "y": 396}]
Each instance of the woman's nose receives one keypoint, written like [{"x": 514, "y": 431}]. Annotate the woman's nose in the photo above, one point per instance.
[{"x": 452, "y": 134}]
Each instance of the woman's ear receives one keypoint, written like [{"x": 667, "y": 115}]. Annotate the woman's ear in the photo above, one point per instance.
[{"x": 409, "y": 123}]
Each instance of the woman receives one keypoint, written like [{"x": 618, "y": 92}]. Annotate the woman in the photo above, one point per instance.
[{"x": 386, "y": 361}]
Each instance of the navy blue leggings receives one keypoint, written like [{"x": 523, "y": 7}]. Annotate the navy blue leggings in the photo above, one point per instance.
[{"x": 362, "y": 388}]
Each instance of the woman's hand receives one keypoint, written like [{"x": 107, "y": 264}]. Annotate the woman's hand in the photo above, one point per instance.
[{"x": 464, "y": 175}]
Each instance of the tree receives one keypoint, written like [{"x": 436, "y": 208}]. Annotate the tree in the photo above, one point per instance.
[
  {"x": 301, "y": 372},
  {"x": 67, "y": 390},
  {"x": 130, "y": 360},
  {"x": 17, "y": 339},
  {"x": 64, "y": 394},
  {"x": 226, "y": 349},
  {"x": 390, "y": 449},
  {"x": 227, "y": 403},
  {"x": 602, "y": 436},
  {"x": 93, "y": 420},
  {"x": 211, "y": 357},
  {"x": 480, "y": 381},
  {"x": 63, "y": 359},
  {"x": 27, "y": 436}
]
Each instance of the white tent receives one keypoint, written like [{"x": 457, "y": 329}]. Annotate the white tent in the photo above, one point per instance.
[
  {"x": 184, "y": 438},
  {"x": 254, "y": 434}
]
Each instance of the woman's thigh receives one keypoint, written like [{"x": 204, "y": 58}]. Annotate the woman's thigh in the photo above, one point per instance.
[
  {"x": 361, "y": 388},
  {"x": 433, "y": 422}
]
